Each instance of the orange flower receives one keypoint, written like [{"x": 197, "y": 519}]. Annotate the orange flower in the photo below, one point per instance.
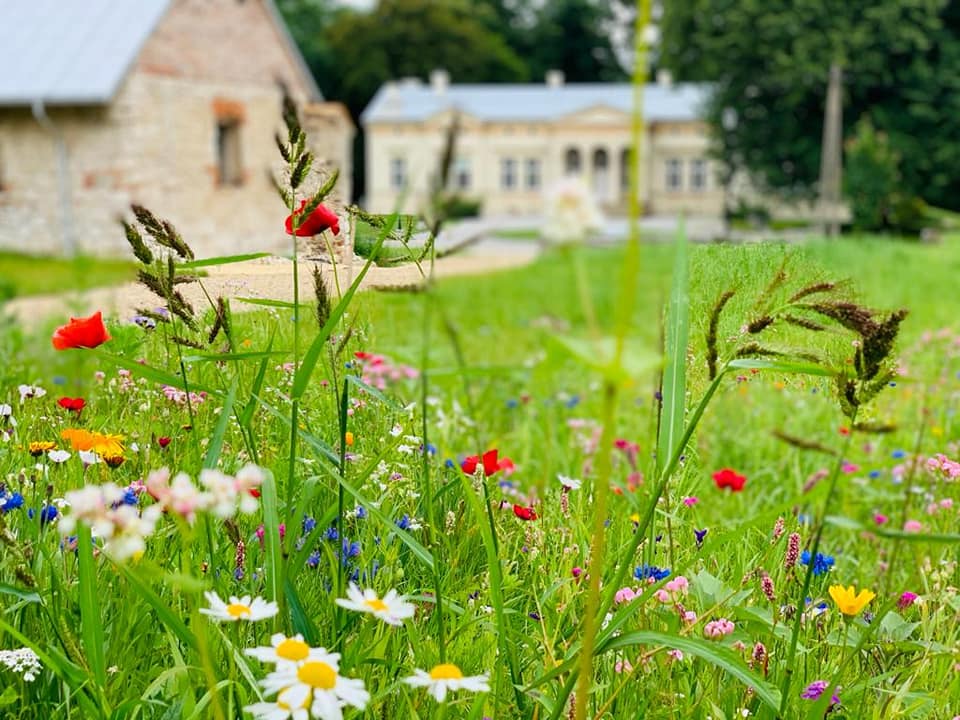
[
  {"x": 81, "y": 333},
  {"x": 104, "y": 444}
]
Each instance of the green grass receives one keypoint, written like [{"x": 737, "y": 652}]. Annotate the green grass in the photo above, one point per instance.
[
  {"x": 498, "y": 378},
  {"x": 36, "y": 275}
]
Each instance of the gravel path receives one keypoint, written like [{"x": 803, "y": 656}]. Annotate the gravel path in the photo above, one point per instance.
[{"x": 267, "y": 278}]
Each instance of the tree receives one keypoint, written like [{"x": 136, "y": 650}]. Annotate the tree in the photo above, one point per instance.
[
  {"x": 769, "y": 61},
  {"x": 575, "y": 36}
]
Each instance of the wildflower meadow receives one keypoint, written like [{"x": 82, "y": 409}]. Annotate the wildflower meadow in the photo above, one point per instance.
[{"x": 648, "y": 481}]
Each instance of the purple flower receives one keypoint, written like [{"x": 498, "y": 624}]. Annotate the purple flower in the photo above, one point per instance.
[
  {"x": 906, "y": 600},
  {"x": 814, "y": 690}
]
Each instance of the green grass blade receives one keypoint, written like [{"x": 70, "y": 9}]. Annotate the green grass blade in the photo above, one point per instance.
[
  {"x": 91, "y": 621},
  {"x": 173, "y": 622},
  {"x": 271, "y": 537},
  {"x": 25, "y": 595},
  {"x": 674, "y": 387},
  {"x": 784, "y": 366},
  {"x": 373, "y": 392},
  {"x": 232, "y": 357},
  {"x": 216, "y": 440},
  {"x": 264, "y": 302},
  {"x": 715, "y": 654},
  {"x": 222, "y": 260},
  {"x": 301, "y": 620},
  {"x": 312, "y": 356},
  {"x": 161, "y": 377},
  {"x": 246, "y": 415}
]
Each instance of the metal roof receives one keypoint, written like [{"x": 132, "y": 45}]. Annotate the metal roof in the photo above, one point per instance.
[
  {"x": 78, "y": 52},
  {"x": 412, "y": 101},
  {"x": 70, "y": 53}
]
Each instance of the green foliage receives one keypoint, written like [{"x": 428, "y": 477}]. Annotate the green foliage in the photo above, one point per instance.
[
  {"x": 454, "y": 206},
  {"x": 770, "y": 61},
  {"x": 871, "y": 176}
]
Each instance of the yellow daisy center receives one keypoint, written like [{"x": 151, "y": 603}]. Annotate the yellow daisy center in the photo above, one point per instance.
[
  {"x": 237, "y": 610},
  {"x": 293, "y": 649},
  {"x": 317, "y": 674},
  {"x": 446, "y": 671},
  {"x": 377, "y": 605}
]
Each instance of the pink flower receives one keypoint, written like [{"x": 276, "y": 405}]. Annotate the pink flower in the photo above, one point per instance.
[
  {"x": 622, "y": 666},
  {"x": 912, "y": 526},
  {"x": 675, "y": 654},
  {"x": 849, "y": 467},
  {"x": 624, "y": 595},
  {"x": 907, "y": 599},
  {"x": 880, "y": 519},
  {"x": 718, "y": 628},
  {"x": 678, "y": 585},
  {"x": 690, "y": 617},
  {"x": 690, "y": 501}
]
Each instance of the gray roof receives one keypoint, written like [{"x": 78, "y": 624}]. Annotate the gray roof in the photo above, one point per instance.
[
  {"x": 413, "y": 101},
  {"x": 77, "y": 52}
]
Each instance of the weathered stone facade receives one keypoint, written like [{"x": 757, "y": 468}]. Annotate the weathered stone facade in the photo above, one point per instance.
[{"x": 205, "y": 84}]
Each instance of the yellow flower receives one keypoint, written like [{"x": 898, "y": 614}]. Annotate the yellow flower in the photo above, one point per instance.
[
  {"x": 348, "y": 437},
  {"x": 105, "y": 445},
  {"x": 39, "y": 447},
  {"x": 847, "y": 599}
]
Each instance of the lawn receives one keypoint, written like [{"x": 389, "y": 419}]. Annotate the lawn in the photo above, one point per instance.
[
  {"x": 22, "y": 274},
  {"x": 704, "y": 601}
]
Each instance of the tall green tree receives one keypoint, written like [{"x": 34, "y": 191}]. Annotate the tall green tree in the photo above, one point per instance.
[
  {"x": 769, "y": 61},
  {"x": 575, "y": 36}
]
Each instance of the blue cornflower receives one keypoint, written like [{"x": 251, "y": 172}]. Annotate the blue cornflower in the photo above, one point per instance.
[
  {"x": 308, "y": 524},
  {"x": 450, "y": 464},
  {"x": 700, "y": 535},
  {"x": 512, "y": 404},
  {"x": 361, "y": 512},
  {"x": 431, "y": 449},
  {"x": 898, "y": 454},
  {"x": 10, "y": 502},
  {"x": 48, "y": 513},
  {"x": 130, "y": 497},
  {"x": 645, "y": 572},
  {"x": 331, "y": 534},
  {"x": 238, "y": 574},
  {"x": 874, "y": 474},
  {"x": 404, "y": 522},
  {"x": 350, "y": 549},
  {"x": 313, "y": 559},
  {"x": 572, "y": 402},
  {"x": 821, "y": 563}
]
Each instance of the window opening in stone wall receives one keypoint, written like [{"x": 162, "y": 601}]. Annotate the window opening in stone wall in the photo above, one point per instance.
[
  {"x": 461, "y": 173},
  {"x": 398, "y": 173},
  {"x": 571, "y": 162},
  {"x": 229, "y": 161},
  {"x": 533, "y": 173},
  {"x": 508, "y": 173},
  {"x": 674, "y": 178},
  {"x": 698, "y": 174}
]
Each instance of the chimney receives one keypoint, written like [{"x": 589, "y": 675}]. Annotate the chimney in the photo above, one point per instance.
[
  {"x": 555, "y": 78},
  {"x": 439, "y": 81},
  {"x": 664, "y": 78}
]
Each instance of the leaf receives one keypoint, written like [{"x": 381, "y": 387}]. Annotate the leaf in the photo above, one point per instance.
[
  {"x": 170, "y": 619},
  {"x": 599, "y": 355},
  {"x": 287, "y": 305},
  {"x": 216, "y": 440},
  {"x": 785, "y": 366},
  {"x": 25, "y": 595},
  {"x": 312, "y": 356},
  {"x": 151, "y": 373},
  {"x": 246, "y": 415},
  {"x": 301, "y": 620},
  {"x": 232, "y": 357},
  {"x": 222, "y": 260},
  {"x": 673, "y": 389},
  {"x": 9, "y": 696},
  {"x": 91, "y": 622},
  {"x": 271, "y": 528},
  {"x": 713, "y": 653},
  {"x": 370, "y": 390}
]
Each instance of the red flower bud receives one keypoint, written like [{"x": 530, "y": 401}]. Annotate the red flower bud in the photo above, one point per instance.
[{"x": 315, "y": 223}]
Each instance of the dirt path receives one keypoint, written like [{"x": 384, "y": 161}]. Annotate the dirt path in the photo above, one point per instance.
[{"x": 268, "y": 278}]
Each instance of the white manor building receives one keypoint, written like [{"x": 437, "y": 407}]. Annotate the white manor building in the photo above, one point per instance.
[{"x": 516, "y": 140}]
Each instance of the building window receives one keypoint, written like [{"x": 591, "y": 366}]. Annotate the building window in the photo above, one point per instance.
[
  {"x": 398, "y": 173},
  {"x": 229, "y": 161},
  {"x": 674, "y": 176},
  {"x": 532, "y": 172},
  {"x": 461, "y": 174},
  {"x": 571, "y": 162},
  {"x": 601, "y": 171},
  {"x": 698, "y": 174},
  {"x": 626, "y": 158},
  {"x": 508, "y": 173}
]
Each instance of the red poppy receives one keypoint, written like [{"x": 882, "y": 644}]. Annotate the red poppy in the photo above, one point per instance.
[
  {"x": 163, "y": 441},
  {"x": 254, "y": 492},
  {"x": 72, "y": 404},
  {"x": 524, "y": 513},
  {"x": 727, "y": 478},
  {"x": 81, "y": 333},
  {"x": 489, "y": 460},
  {"x": 315, "y": 223}
]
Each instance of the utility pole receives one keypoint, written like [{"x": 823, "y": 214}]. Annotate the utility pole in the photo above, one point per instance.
[{"x": 831, "y": 155}]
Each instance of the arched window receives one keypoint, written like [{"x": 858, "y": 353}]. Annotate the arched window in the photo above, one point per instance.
[
  {"x": 601, "y": 174},
  {"x": 626, "y": 157},
  {"x": 571, "y": 162}
]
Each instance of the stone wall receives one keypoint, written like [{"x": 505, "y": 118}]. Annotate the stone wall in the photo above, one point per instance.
[{"x": 208, "y": 62}]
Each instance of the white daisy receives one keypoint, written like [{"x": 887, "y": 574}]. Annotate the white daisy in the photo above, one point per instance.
[
  {"x": 393, "y": 609},
  {"x": 284, "y": 649},
  {"x": 315, "y": 684},
  {"x": 447, "y": 676},
  {"x": 280, "y": 709},
  {"x": 238, "y": 608}
]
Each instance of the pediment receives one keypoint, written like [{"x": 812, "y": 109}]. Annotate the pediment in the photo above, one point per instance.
[{"x": 597, "y": 115}]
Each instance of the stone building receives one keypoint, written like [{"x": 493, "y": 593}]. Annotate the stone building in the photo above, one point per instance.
[
  {"x": 172, "y": 104},
  {"x": 515, "y": 140}
]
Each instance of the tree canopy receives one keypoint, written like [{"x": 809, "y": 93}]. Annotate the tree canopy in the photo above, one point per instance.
[{"x": 769, "y": 61}]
